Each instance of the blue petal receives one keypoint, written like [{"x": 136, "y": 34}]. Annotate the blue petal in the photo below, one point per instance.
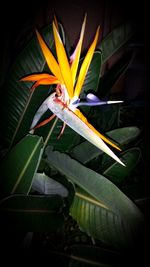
[{"x": 92, "y": 98}]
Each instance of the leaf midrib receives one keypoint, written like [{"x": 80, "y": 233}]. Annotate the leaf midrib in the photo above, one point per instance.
[
  {"x": 25, "y": 168},
  {"x": 29, "y": 210},
  {"x": 91, "y": 200}
]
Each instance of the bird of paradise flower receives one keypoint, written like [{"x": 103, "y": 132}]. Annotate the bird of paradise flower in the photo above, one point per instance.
[{"x": 65, "y": 101}]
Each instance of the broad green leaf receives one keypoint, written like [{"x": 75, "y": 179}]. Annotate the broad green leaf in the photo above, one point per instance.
[
  {"x": 124, "y": 135},
  {"x": 31, "y": 213},
  {"x": 85, "y": 151},
  {"x": 48, "y": 186},
  {"x": 99, "y": 222},
  {"x": 130, "y": 158},
  {"x": 103, "y": 190},
  {"x": 113, "y": 75},
  {"x": 19, "y": 104},
  {"x": 19, "y": 165},
  {"x": 115, "y": 40}
]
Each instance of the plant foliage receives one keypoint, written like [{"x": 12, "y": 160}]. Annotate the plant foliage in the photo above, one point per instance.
[{"x": 36, "y": 169}]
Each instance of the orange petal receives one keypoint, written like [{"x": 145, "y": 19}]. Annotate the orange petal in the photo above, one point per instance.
[
  {"x": 37, "y": 77},
  {"x": 63, "y": 62},
  {"x": 51, "y": 61},
  {"x": 85, "y": 65},
  {"x": 76, "y": 55},
  {"x": 84, "y": 119},
  {"x": 44, "y": 81},
  {"x": 45, "y": 121}
]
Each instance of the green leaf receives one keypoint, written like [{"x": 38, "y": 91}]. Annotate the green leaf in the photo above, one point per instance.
[
  {"x": 130, "y": 158},
  {"x": 19, "y": 104},
  {"x": 124, "y": 135},
  {"x": 85, "y": 151},
  {"x": 100, "y": 188},
  {"x": 31, "y": 213},
  {"x": 113, "y": 75},
  {"x": 19, "y": 165},
  {"x": 101, "y": 223},
  {"x": 48, "y": 186},
  {"x": 96, "y": 220},
  {"x": 115, "y": 40}
]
